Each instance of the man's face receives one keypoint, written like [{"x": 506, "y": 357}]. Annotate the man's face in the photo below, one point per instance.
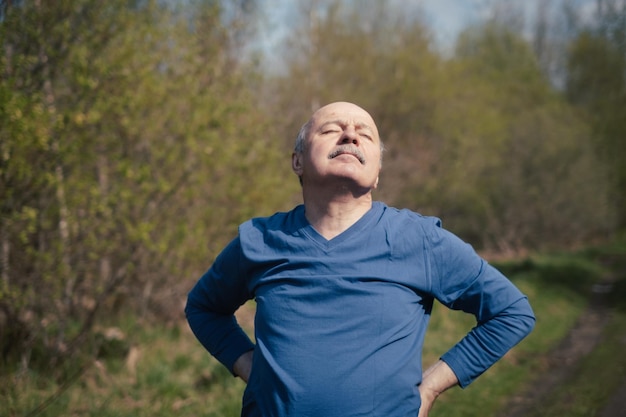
[{"x": 343, "y": 144}]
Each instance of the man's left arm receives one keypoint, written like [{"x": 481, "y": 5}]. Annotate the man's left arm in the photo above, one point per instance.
[
  {"x": 489, "y": 341},
  {"x": 483, "y": 346},
  {"x": 462, "y": 280},
  {"x": 476, "y": 352}
]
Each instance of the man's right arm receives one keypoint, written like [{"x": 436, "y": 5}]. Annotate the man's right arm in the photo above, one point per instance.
[
  {"x": 211, "y": 305},
  {"x": 243, "y": 366}
]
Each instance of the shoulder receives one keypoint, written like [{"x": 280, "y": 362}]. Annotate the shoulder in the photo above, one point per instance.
[
  {"x": 277, "y": 221},
  {"x": 402, "y": 218},
  {"x": 272, "y": 230},
  {"x": 405, "y": 224}
]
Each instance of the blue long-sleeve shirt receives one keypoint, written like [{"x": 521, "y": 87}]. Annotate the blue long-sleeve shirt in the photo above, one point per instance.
[{"x": 340, "y": 323}]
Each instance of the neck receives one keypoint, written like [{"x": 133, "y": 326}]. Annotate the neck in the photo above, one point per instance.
[{"x": 331, "y": 215}]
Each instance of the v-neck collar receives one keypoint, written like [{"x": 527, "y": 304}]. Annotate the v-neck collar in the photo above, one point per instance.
[{"x": 327, "y": 244}]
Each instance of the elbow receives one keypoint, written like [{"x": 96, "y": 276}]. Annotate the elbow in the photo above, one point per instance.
[
  {"x": 188, "y": 307},
  {"x": 524, "y": 316},
  {"x": 529, "y": 313},
  {"x": 530, "y": 323},
  {"x": 192, "y": 308}
]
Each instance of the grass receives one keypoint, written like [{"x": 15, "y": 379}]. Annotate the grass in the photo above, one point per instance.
[
  {"x": 594, "y": 379},
  {"x": 170, "y": 374},
  {"x": 597, "y": 376}
]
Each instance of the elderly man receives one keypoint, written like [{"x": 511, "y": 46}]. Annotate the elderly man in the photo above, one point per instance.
[{"x": 344, "y": 288}]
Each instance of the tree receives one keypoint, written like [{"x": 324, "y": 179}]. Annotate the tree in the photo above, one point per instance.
[
  {"x": 130, "y": 153},
  {"x": 596, "y": 82},
  {"x": 517, "y": 158},
  {"x": 36, "y": 218}
]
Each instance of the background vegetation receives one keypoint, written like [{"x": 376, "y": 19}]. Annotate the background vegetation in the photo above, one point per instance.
[{"x": 136, "y": 135}]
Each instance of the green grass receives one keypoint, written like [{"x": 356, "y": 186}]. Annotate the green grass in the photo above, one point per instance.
[
  {"x": 597, "y": 376},
  {"x": 173, "y": 375},
  {"x": 593, "y": 380}
]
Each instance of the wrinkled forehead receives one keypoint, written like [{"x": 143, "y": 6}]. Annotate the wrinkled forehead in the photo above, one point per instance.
[{"x": 344, "y": 113}]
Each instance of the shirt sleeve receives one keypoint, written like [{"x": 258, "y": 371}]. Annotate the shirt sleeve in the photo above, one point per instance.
[
  {"x": 464, "y": 281},
  {"x": 211, "y": 306}
]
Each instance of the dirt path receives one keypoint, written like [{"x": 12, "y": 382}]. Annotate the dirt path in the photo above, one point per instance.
[{"x": 581, "y": 340}]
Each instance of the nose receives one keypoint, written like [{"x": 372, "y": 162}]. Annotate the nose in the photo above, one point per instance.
[{"x": 350, "y": 136}]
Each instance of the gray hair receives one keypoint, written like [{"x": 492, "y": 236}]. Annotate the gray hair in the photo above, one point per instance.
[{"x": 301, "y": 138}]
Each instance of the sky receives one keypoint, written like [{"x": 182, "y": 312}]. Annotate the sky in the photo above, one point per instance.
[{"x": 449, "y": 17}]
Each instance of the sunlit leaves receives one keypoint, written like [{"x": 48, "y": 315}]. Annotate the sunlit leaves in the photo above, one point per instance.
[{"x": 130, "y": 152}]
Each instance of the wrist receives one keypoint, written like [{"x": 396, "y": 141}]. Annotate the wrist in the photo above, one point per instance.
[
  {"x": 438, "y": 378},
  {"x": 243, "y": 366}
]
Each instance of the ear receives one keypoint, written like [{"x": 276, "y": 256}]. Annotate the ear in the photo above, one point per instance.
[
  {"x": 380, "y": 168},
  {"x": 296, "y": 163}
]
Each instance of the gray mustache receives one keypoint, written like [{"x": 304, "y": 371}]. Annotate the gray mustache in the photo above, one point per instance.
[{"x": 348, "y": 149}]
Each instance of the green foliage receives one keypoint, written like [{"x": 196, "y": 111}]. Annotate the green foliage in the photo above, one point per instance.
[
  {"x": 129, "y": 145},
  {"x": 596, "y": 81},
  {"x": 509, "y": 173}
]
